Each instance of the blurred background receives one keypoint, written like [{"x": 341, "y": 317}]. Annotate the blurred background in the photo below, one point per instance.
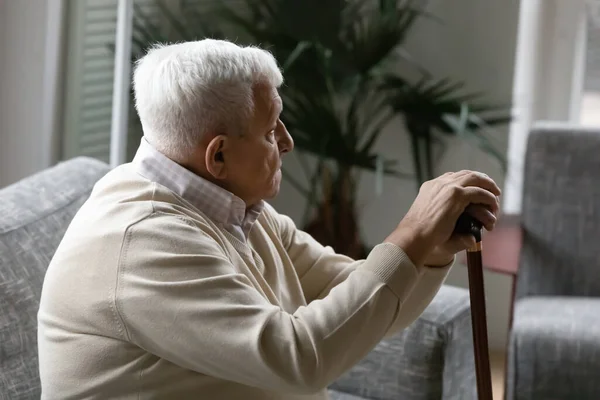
[{"x": 379, "y": 95}]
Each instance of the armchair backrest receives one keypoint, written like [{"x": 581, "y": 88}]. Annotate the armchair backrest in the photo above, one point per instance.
[
  {"x": 561, "y": 213},
  {"x": 34, "y": 215}
]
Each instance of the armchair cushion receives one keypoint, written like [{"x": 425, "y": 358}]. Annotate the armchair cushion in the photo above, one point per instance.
[{"x": 555, "y": 349}]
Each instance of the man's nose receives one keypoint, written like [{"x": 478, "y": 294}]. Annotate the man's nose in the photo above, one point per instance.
[{"x": 286, "y": 143}]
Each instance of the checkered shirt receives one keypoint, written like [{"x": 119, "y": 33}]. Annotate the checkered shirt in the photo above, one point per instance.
[{"x": 218, "y": 204}]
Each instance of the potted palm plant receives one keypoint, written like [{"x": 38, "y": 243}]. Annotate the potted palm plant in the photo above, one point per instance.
[{"x": 340, "y": 60}]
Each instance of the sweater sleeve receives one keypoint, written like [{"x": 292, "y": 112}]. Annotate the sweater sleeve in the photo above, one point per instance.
[
  {"x": 180, "y": 298},
  {"x": 320, "y": 269}
]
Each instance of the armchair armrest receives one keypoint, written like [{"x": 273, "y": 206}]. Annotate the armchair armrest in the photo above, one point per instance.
[{"x": 431, "y": 359}]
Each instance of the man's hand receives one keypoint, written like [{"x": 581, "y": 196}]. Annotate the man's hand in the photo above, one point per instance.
[{"x": 426, "y": 232}]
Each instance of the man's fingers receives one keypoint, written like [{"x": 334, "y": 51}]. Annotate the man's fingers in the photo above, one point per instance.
[
  {"x": 477, "y": 195},
  {"x": 463, "y": 172},
  {"x": 480, "y": 180},
  {"x": 483, "y": 215}
]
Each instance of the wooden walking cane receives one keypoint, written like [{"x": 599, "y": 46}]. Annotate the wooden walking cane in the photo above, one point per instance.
[{"x": 468, "y": 225}]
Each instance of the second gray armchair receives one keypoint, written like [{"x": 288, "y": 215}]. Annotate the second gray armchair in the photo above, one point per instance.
[{"x": 555, "y": 340}]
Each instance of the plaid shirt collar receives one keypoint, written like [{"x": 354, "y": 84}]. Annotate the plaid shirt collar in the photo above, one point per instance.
[{"x": 220, "y": 205}]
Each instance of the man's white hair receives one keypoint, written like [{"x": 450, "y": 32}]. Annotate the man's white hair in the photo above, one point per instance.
[{"x": 185, "y": 90}]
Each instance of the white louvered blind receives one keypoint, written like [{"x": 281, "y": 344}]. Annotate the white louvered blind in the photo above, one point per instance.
[{"x": 89, "y": 77}]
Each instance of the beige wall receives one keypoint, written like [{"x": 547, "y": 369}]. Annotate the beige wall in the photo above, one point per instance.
[{"x": 23, "y": 27}]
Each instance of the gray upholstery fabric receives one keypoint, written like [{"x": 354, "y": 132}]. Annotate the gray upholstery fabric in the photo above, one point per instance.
[
  {"x": 432, "y": 359},
  {"x": 34, "y": 216},
  {"x": 561, "y": 214},
  {"x": 554, "y": 350},
  {"x": 335, "y": 395}
]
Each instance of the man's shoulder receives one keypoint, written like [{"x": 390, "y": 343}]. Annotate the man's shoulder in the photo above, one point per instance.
[
  {"x": 118, "y": 199},
  {"x": 123, "y": 204},
  {"x": 125, "y": 195},
  {"x": 170, "y": 219},
  {"x": 172, "y": 228}
]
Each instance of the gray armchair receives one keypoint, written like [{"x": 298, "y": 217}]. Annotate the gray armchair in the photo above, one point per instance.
[
  {"x": 554, "y": 350},
  {"x": 432, "y": 359}
]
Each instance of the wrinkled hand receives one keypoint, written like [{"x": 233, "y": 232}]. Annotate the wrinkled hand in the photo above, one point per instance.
[{"x": 426, "y": 232}]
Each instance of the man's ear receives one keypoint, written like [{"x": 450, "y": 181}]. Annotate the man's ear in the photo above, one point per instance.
[{"x": 215, "y": 158}]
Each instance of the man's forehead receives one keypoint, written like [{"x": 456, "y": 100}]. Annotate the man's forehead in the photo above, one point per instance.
[
  {"x": 269, "y": 100},
  {"x": 277, "y": 102}
]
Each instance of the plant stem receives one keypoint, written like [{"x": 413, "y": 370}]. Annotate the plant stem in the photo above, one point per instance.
[
  {"x": 428, "y": 152},
  {"x": 311, "y": 199},
  {"x": 416, "y": 153}
]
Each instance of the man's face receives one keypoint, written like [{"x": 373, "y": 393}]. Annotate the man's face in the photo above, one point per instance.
[{"x": 253, "y": 160}]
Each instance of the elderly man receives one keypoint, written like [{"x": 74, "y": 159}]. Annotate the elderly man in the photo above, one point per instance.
[{"x": 177, "y": 280}]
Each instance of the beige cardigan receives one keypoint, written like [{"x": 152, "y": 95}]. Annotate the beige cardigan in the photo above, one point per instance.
[{"x": 147, "y": 298}]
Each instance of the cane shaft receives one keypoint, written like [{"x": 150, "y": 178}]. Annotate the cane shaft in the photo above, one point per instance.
[{"x": 479, "y": 322}]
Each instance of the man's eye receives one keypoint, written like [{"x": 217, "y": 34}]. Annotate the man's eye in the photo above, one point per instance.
[{"x": 271, "y": 135}]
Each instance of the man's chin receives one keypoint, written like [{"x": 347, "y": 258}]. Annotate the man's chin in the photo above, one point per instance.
[
  {"x": 274, "y": 192},
  {"x": 275, "y": 187}
]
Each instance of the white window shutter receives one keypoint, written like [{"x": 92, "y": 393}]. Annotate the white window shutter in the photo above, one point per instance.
[{"x": 89, "y": 78}]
